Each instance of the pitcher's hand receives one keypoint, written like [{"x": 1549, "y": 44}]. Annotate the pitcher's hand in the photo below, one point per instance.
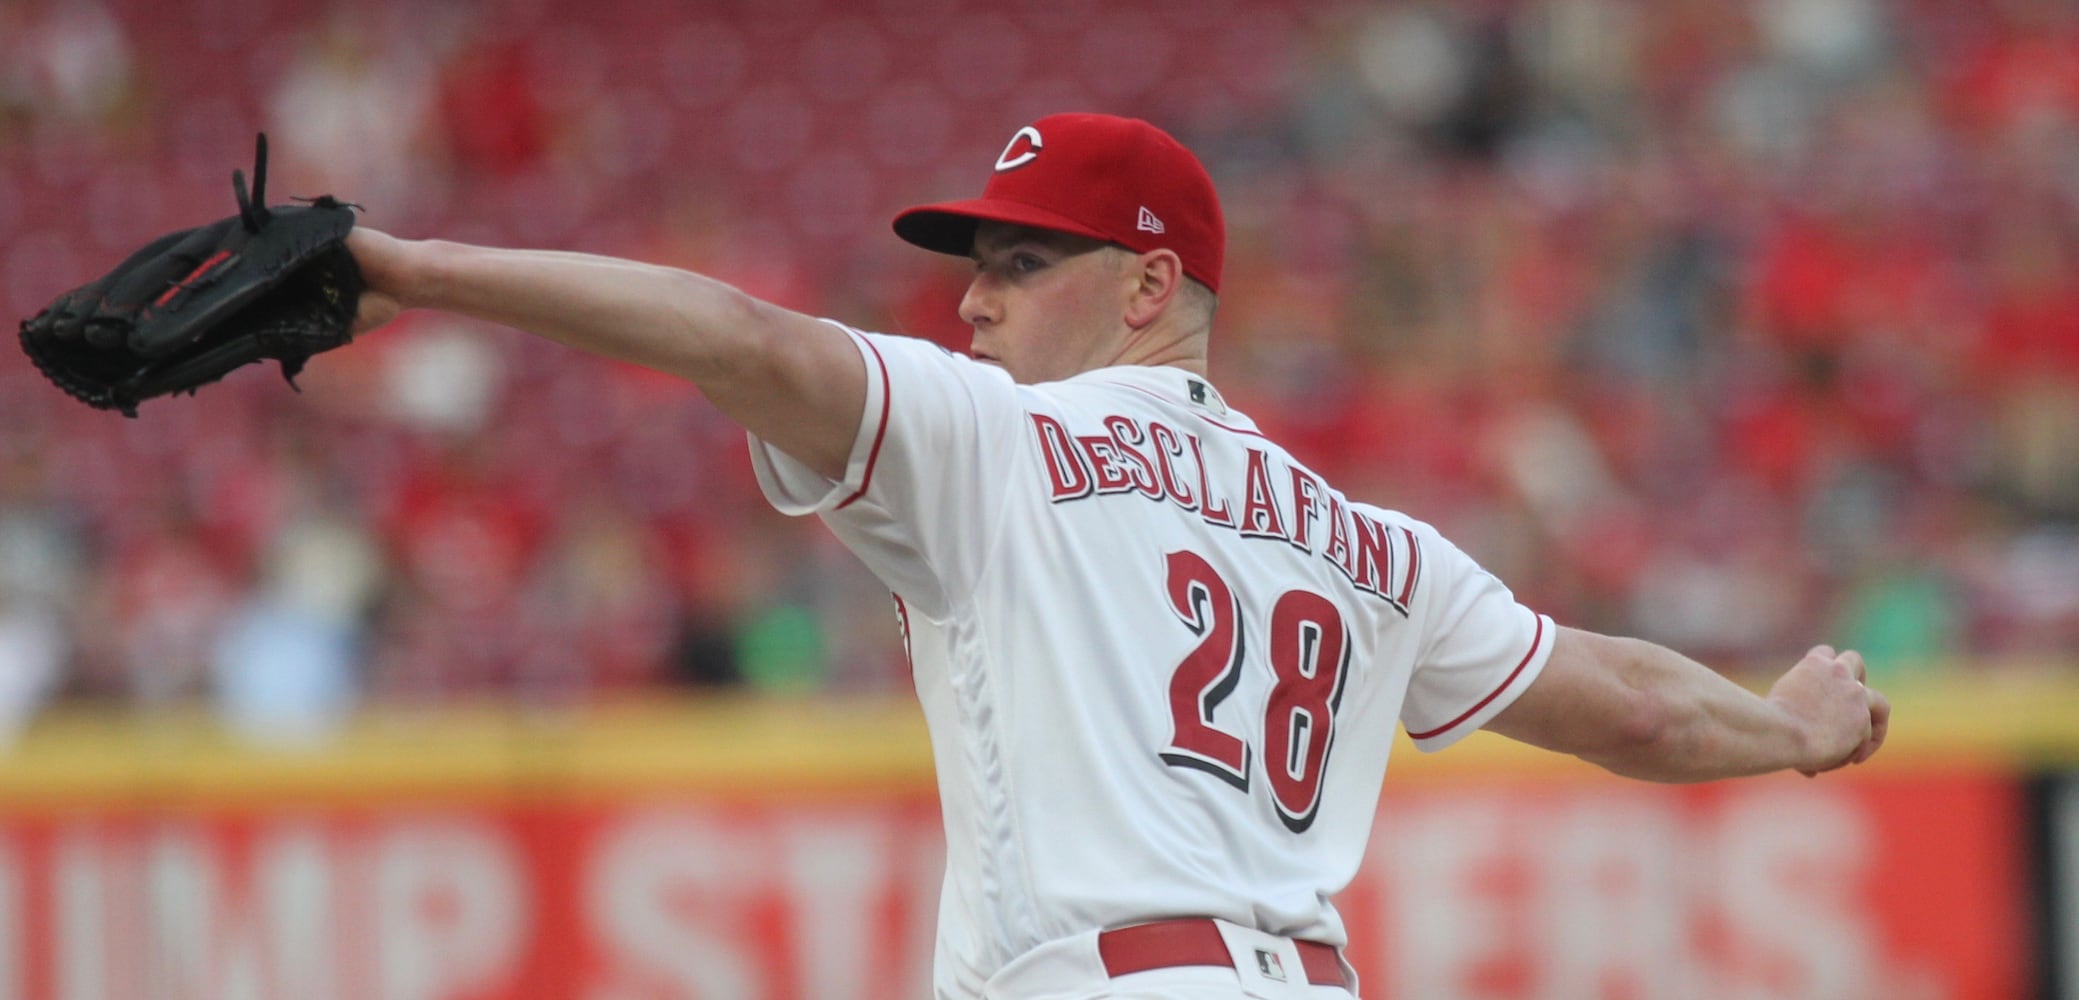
[
  {"x": 386, "y": 266},
  {"x": 1845, "y": 720}
]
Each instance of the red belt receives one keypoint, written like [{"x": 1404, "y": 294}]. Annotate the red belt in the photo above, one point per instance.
[{"x": 1169, "y": 943}]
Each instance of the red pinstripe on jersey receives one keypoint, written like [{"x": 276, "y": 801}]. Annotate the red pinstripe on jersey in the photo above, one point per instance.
[
  {"x": 881, "y": 432},
  {"x": 1537, "y": 640}
]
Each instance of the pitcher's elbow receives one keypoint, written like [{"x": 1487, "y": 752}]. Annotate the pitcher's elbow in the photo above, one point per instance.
[
  {"x": 1641, "y": 739},
  {"x": 1649, "y": 720}
]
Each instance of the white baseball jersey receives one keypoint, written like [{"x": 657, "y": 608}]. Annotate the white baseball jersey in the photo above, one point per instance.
[{"x": 1161, "y": 661}]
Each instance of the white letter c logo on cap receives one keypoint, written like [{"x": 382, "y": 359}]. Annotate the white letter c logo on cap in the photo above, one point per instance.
[{"x": 1023, "y": 148}]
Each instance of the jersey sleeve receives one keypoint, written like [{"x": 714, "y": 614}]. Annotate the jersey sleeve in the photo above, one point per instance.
[
  {"x": 1480, "y": 649},
  {"x": 795, "y": 489},
  {"x": 919, "y": 499}
]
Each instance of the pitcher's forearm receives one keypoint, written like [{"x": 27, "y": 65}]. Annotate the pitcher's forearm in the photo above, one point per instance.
[
  {"x": 795, "y": 381},
  {"x": 1645, "y": 711},
  {"x": 1694, "y": 724},
  {"x": 662, "y": 318}
]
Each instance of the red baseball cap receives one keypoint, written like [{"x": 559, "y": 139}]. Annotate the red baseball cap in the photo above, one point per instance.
[{"x": 1120, "y": 180}]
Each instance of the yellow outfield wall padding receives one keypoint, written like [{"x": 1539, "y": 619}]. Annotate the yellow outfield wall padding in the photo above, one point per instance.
[{"x": 764, "y": 747}]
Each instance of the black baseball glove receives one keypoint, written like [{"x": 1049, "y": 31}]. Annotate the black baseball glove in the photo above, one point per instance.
[{"x": 193, "y": 305}]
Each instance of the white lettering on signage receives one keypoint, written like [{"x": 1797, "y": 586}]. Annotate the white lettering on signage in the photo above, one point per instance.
[
  {"x": 272, "y": 940},
  {"x": 667, "y": 890},
  {"x": 1758, "y": 895},
  {"x": 1494, "y": 891},
  {"x": 84, "y": 951},
  {"x": 833, "y": 871},
  {"x": 448, "y": 908},
  {"x": 14, "y": 958}
]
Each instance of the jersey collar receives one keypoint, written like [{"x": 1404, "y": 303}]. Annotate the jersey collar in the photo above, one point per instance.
[{"x": 1185, "y": 388}]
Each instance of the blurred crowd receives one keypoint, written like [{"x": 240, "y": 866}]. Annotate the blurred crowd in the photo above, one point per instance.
[{"x": 1735, "y": 326}]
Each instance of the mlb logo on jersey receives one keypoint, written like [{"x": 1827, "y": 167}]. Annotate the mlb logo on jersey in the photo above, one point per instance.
[{"x": 1268, "y": 965}]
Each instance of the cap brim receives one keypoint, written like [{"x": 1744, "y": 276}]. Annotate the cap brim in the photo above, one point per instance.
[{"x": 949, "y": 227}]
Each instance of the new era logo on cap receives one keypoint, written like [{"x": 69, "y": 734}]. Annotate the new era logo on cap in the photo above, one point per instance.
[{"x": 1120, "y": 180}]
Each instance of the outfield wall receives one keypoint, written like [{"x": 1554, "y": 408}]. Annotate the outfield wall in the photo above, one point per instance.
[{"x": 769, "y": 849}]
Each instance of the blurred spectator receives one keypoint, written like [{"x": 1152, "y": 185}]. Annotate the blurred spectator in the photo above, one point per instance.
[
  {"x": 168, "y": 591},
  {"x": 38, "y": 581},
  {"x": 490, "y": 109},
  {"x": 33, "y": 651},
  {"x": 1904, "y": 618},
  {"x": 77, "y": 62},
  {"x": 602, "y": 591},
  {"x": 286, "y": 664},
  {"x": 352, "y": 107}
]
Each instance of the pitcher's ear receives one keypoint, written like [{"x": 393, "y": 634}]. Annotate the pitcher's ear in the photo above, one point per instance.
[{"x": 1159, "y": 277}]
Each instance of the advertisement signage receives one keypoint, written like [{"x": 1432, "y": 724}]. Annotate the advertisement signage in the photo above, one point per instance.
[{"x": 1901, "y": 887}]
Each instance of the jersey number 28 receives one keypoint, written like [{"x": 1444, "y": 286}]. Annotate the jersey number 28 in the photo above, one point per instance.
[{"x": 1309, "y": 655}]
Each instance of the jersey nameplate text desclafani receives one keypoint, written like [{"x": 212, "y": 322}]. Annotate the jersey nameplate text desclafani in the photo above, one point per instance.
[{"x": 1278, "y": 501}]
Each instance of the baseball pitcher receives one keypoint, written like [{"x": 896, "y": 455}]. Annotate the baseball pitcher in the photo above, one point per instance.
[{"x": 1162, "y": 659}]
